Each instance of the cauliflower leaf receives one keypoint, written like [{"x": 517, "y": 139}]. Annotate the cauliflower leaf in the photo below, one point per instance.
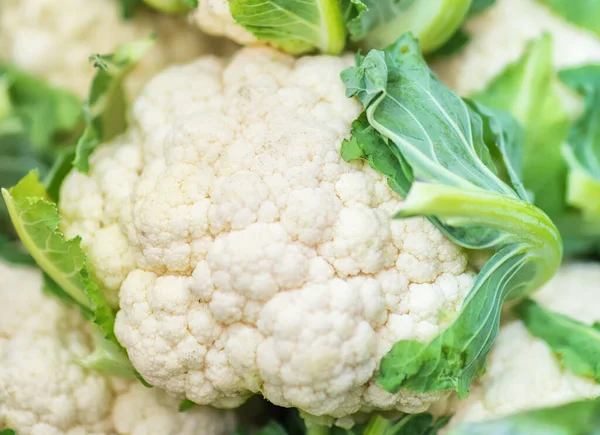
[
  {"x": 576, "y": 418},
  {"x": 575, "y": 343},
  {"x": 37, "y": 123},
  {"x": 105, "y": 107},
  {"x": 458, "y": 185},
  {"x": 36, "y": 221},
  {"x": 582, "y": 13},
  {"x": 296, "y": 27}
]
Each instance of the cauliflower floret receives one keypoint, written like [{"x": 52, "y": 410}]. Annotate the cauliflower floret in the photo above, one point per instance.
[
  {"x": 522, "y": 373},
  {"x": 499, "y": 36},
  {"x": 260, "y": 260},
  {"x": 43, "y": 391},
  {"x": 53, "y": 39},
  {"x": 214, "y": 18}
]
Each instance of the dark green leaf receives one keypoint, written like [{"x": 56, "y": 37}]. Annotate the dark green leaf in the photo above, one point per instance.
[
  {"x": 185, "y": 405},
  {"x": 577, "y": 418},
  {"x": 105, "y": 106},
  {"x": 128, "y": 8},
  {"x": 453, "y": 46},
  {"x": 446, "y": 143},
  {"x": 479, "y": 6},
  {"x": 576, "y": 344},
  {"x": 7, "y": 432}
]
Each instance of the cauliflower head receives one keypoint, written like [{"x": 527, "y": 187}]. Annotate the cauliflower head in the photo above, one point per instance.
[
  {"x": 43, "y": 391},
  {"x": 214, "y": 18},
  {"x": 522, "y": 373},
  {"x": 499, "y": 37},
  {"x": 53, "y": 39},
  {"x": 247, "y": 255}
]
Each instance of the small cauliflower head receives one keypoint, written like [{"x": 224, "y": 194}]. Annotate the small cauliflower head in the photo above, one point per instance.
[
  {"x": 53, "y": 39},
  {"x": 247, "y": 255},
  {"x": 214, "y": 18},
  {"x": 499, "y": 37},
  {"x": 522, "y": 372},
  {"x": 43, "y": 391}
]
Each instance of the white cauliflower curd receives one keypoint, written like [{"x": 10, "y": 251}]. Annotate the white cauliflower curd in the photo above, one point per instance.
[
  {"x": 53, "y": 39},
  {"x": 248, "y": 256},
  {"x": 522, "y": 373},
  {"x": 499, "y": 36},
  {"x": 214, "y": 18},
  {"x": 43, "y": 391}
]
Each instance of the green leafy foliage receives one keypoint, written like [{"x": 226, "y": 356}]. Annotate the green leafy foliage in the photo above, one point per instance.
[
  {"x": 449, "y": 144},
  {"x": 36, "y": 221},
  {"x": 582, "y": 151},
  {"x": 37, "y": 122},
  {"x": 582, "y": 13},
  {"x": 577, "y": 418},
  {"x": 105, "y": 106},
  {"x": 172, "y": 6},
  {"x": 296, "y": 27},
  {"x": 461, "y": 38},
  {"x": 7, "y": 432},
  {"x": 529, "y": 90},
  {"x": 128, "y": 8},
  {"x": 576, "y": 344}
]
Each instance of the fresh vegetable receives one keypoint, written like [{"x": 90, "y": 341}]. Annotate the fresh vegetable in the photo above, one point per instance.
[
  {"x": 45, "y": 390},
  {"x": 524, "y": 372},
  {"x": 582, "y": 13},
  {"x": 453, "y": 179},
  {"x": 327, "y": 25}
]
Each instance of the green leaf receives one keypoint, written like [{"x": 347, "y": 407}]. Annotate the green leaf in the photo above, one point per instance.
[
  {"x": 378, "y": 23},
  {"x": 128, "y": 8},
  {"x": 479, "y": 6},
  {"x": 105, "y": 107},
  {"x": 449, "y": 144},
  {"x": 36, "y": 221},
  {"x": 185, "y": 405},
  {"x": 529, "y": 90},
  {"x": 582, "y": 151},
  {"x": 36, "y": 122},
  {"x": 582, "y": 13},
  {"x": 7, "y": 432},
  {"x": 172, "y": 6},
  {"x": 576, "y": 344},
  {"x": 577, "y": 418},
  {"x": 295, "y": 26},
  {"x": 272, "y": 428}
]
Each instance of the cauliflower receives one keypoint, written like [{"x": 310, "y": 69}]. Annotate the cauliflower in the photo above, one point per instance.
[
  {"x": 214, "y": 18},
  {"x": 44, "y": 392},
  {"x": 53, "y": 39},
  {"x": 499, "y": 37},
  {"x": 247, "y": 256},
  {"x": 522, "y": 373}
]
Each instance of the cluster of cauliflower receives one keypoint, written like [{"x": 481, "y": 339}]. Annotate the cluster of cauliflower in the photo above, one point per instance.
[
  {"x": 243, "y": 254},
  {"x": 43, "y": 391}
]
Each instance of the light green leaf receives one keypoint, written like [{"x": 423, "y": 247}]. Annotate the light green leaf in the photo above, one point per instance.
[
  {"x": 577, "y": 418},
  {"x": 36, "y": 221},
  {"x": 529, "y": 90},
  {"x": 443, "y": 140},
  {"x": 576, "y": 344},
  {"x": 295, "y": 26},
  {"x": 105, "y": 107},
  {"x": 383, "y": 21},
  {"x": 582, "y": 13},
  {"x": 172, "y": 6}
]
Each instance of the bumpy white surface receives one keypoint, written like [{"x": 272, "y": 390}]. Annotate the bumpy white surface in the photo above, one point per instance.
[
  {"x": 522, "y": 373},
  {"x": 44, "y": 392},
  {"x": 214, "y": 18},
  {"x": 499, "y": 37},
  {"x": 53, "y": 39},
  {"x": 248, "y": 255}
]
